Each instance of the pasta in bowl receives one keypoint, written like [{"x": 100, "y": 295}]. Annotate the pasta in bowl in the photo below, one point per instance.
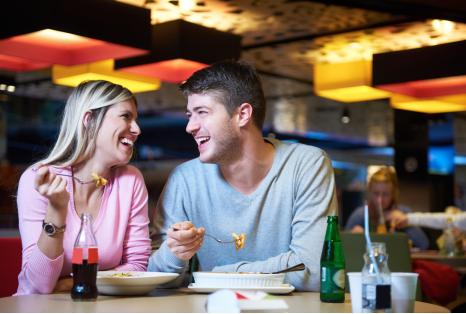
[{"x": 131, "y": 282}]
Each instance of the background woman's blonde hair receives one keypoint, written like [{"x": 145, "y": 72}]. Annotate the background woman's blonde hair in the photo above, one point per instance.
[
  {"x": 76, "y": 142},
  {"x": 386, "y": 175}
]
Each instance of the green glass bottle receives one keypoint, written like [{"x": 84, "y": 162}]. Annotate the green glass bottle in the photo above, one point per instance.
[{"x": 332, "y": 265}]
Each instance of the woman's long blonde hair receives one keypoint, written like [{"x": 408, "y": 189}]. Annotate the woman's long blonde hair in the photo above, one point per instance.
[
  {"x": 76, "y": 142},
  {"x": 386, "y": 175}
]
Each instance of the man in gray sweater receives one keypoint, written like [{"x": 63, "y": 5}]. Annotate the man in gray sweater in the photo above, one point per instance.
[{"x": 276, "y": 193}]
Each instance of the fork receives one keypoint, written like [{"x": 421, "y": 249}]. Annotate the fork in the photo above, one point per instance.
[
  {"x": 297, "y": 267},
  {"x": 74, "y": 178},
  {"x": 218, "y": 240},
  {"x": 214, "y": 238}
]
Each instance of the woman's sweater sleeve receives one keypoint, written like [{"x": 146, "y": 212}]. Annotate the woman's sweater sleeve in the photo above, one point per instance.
[{"x": 39, "y": 273}]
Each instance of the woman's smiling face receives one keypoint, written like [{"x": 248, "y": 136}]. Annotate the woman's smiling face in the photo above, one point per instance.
[{"x": 118, "y": 133}]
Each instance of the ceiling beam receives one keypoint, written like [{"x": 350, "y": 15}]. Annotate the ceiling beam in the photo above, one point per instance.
[{"x": 431, "y": 62}]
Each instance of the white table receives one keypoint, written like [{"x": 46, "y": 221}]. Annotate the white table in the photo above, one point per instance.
[{"x": 166, "y": 300}]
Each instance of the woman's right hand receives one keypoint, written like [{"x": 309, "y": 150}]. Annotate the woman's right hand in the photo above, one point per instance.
[{"x": 53, "y": 187}]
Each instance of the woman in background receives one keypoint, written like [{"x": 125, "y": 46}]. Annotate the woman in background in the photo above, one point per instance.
[
  {"x": 383, "y": 195},
  {"x": 86, "y": 171}
]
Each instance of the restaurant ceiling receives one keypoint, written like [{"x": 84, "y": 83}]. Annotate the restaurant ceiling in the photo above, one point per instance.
[{"x": 284, "y": 38}]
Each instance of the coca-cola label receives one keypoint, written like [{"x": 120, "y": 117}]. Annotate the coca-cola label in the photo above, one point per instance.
[
  {"x": 77, "y": 257},
  {"x": 92, "y": 255},
  {"x": 80, "y": 254}
]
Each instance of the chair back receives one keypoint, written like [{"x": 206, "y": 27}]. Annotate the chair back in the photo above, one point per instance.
[
  {"x": 354, "y": 247},
  {"x": 10, "y": 265},
  {"x": 397, "y": 246}
]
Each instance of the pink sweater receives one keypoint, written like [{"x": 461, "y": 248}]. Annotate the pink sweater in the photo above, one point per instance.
[{"x": 121, "y": 229}]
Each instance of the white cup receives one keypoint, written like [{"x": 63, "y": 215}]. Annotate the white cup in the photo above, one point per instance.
[
  {"x": 355, "y": 285},
  {"x": 403, "y": 292}
]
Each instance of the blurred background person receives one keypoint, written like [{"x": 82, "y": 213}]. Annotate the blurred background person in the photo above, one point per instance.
[
  {"x": 441, "y": 220},
  {"x": 382, "y": 199},
  {"x": 453, "y": 223}
]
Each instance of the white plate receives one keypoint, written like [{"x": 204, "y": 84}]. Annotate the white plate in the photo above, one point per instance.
[
  {"x": 131, "y": 282},
  {"x": 237, "y": 279},
  {"x": 282, "y": 289}
]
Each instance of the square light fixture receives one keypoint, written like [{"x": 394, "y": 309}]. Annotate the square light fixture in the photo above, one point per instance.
[
  {"x": 443, "y": 104},
  {"x": 346, "y": 81},
  {"x": 37, "y": 34},
  {"x": 429, "y": 88},
  {"x": 102, "y": 70},
  {"x": 180, "y": 48},
  {"x": 430, "y": 79},
  {"x": 425, "y": 63}
]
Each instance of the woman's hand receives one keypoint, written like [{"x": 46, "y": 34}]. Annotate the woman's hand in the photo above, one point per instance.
[
  {"x": 53, "y": 187},
  {"x": 357, "y": 229},
  {"x": 63, "y": 285},
  {"x": 184, "y": 239}
]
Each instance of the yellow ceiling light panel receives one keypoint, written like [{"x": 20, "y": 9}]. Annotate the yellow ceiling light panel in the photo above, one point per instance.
[
  {"x": 451, "y": 103},
  {"x": 353, "y": 94},
  {"x": 102, "y": 70},
  {"x": 443, "y": 27},
  {"x": 346, "y": 81}
]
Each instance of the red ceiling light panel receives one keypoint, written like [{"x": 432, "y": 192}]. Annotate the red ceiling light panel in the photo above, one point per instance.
[
  {"x": 180, "y": 48},
  {"x": 69, "y": 33}
]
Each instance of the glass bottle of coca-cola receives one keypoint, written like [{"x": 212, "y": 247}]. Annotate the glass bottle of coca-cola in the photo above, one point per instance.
[{"x": 85, "y": 262}]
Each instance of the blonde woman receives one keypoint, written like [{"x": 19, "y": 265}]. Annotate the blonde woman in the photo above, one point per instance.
[
  {"x": 383, "y": 196},
  {"x": 86, "y": 171}
]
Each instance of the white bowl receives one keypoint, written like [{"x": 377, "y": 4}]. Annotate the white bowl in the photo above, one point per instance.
[
  {"x": 131, "y": 282},
  {"x": 237, "y": 280}
]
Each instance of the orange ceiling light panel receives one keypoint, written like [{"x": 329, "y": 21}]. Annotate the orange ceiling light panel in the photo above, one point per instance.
[
  {"x": 173, "y": 71},
  {"x": 70, "y": 33},
  {"x": 346, "y": 81},
  {"x": 429, "y": 88},
  {"x": 44, "y": 48},
  {"x": 17, "y": 64},
  {"x": 102, "y": 70},
  {"x": 443, "y": 104},
  {"x": 179, "y": 48}
]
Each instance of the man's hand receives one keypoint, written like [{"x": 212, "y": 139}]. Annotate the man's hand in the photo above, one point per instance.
[
  {"x": 184, "y": 240},
  {"x": 53, "y": 187},
  {"x": 398, "y": 219}
]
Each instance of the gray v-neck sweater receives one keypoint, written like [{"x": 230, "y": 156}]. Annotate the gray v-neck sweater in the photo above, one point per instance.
[{"x": 284, "y": 219}]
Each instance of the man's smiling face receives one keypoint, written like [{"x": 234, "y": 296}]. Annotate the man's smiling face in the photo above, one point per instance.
[{"x": 212, "y": 127}]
